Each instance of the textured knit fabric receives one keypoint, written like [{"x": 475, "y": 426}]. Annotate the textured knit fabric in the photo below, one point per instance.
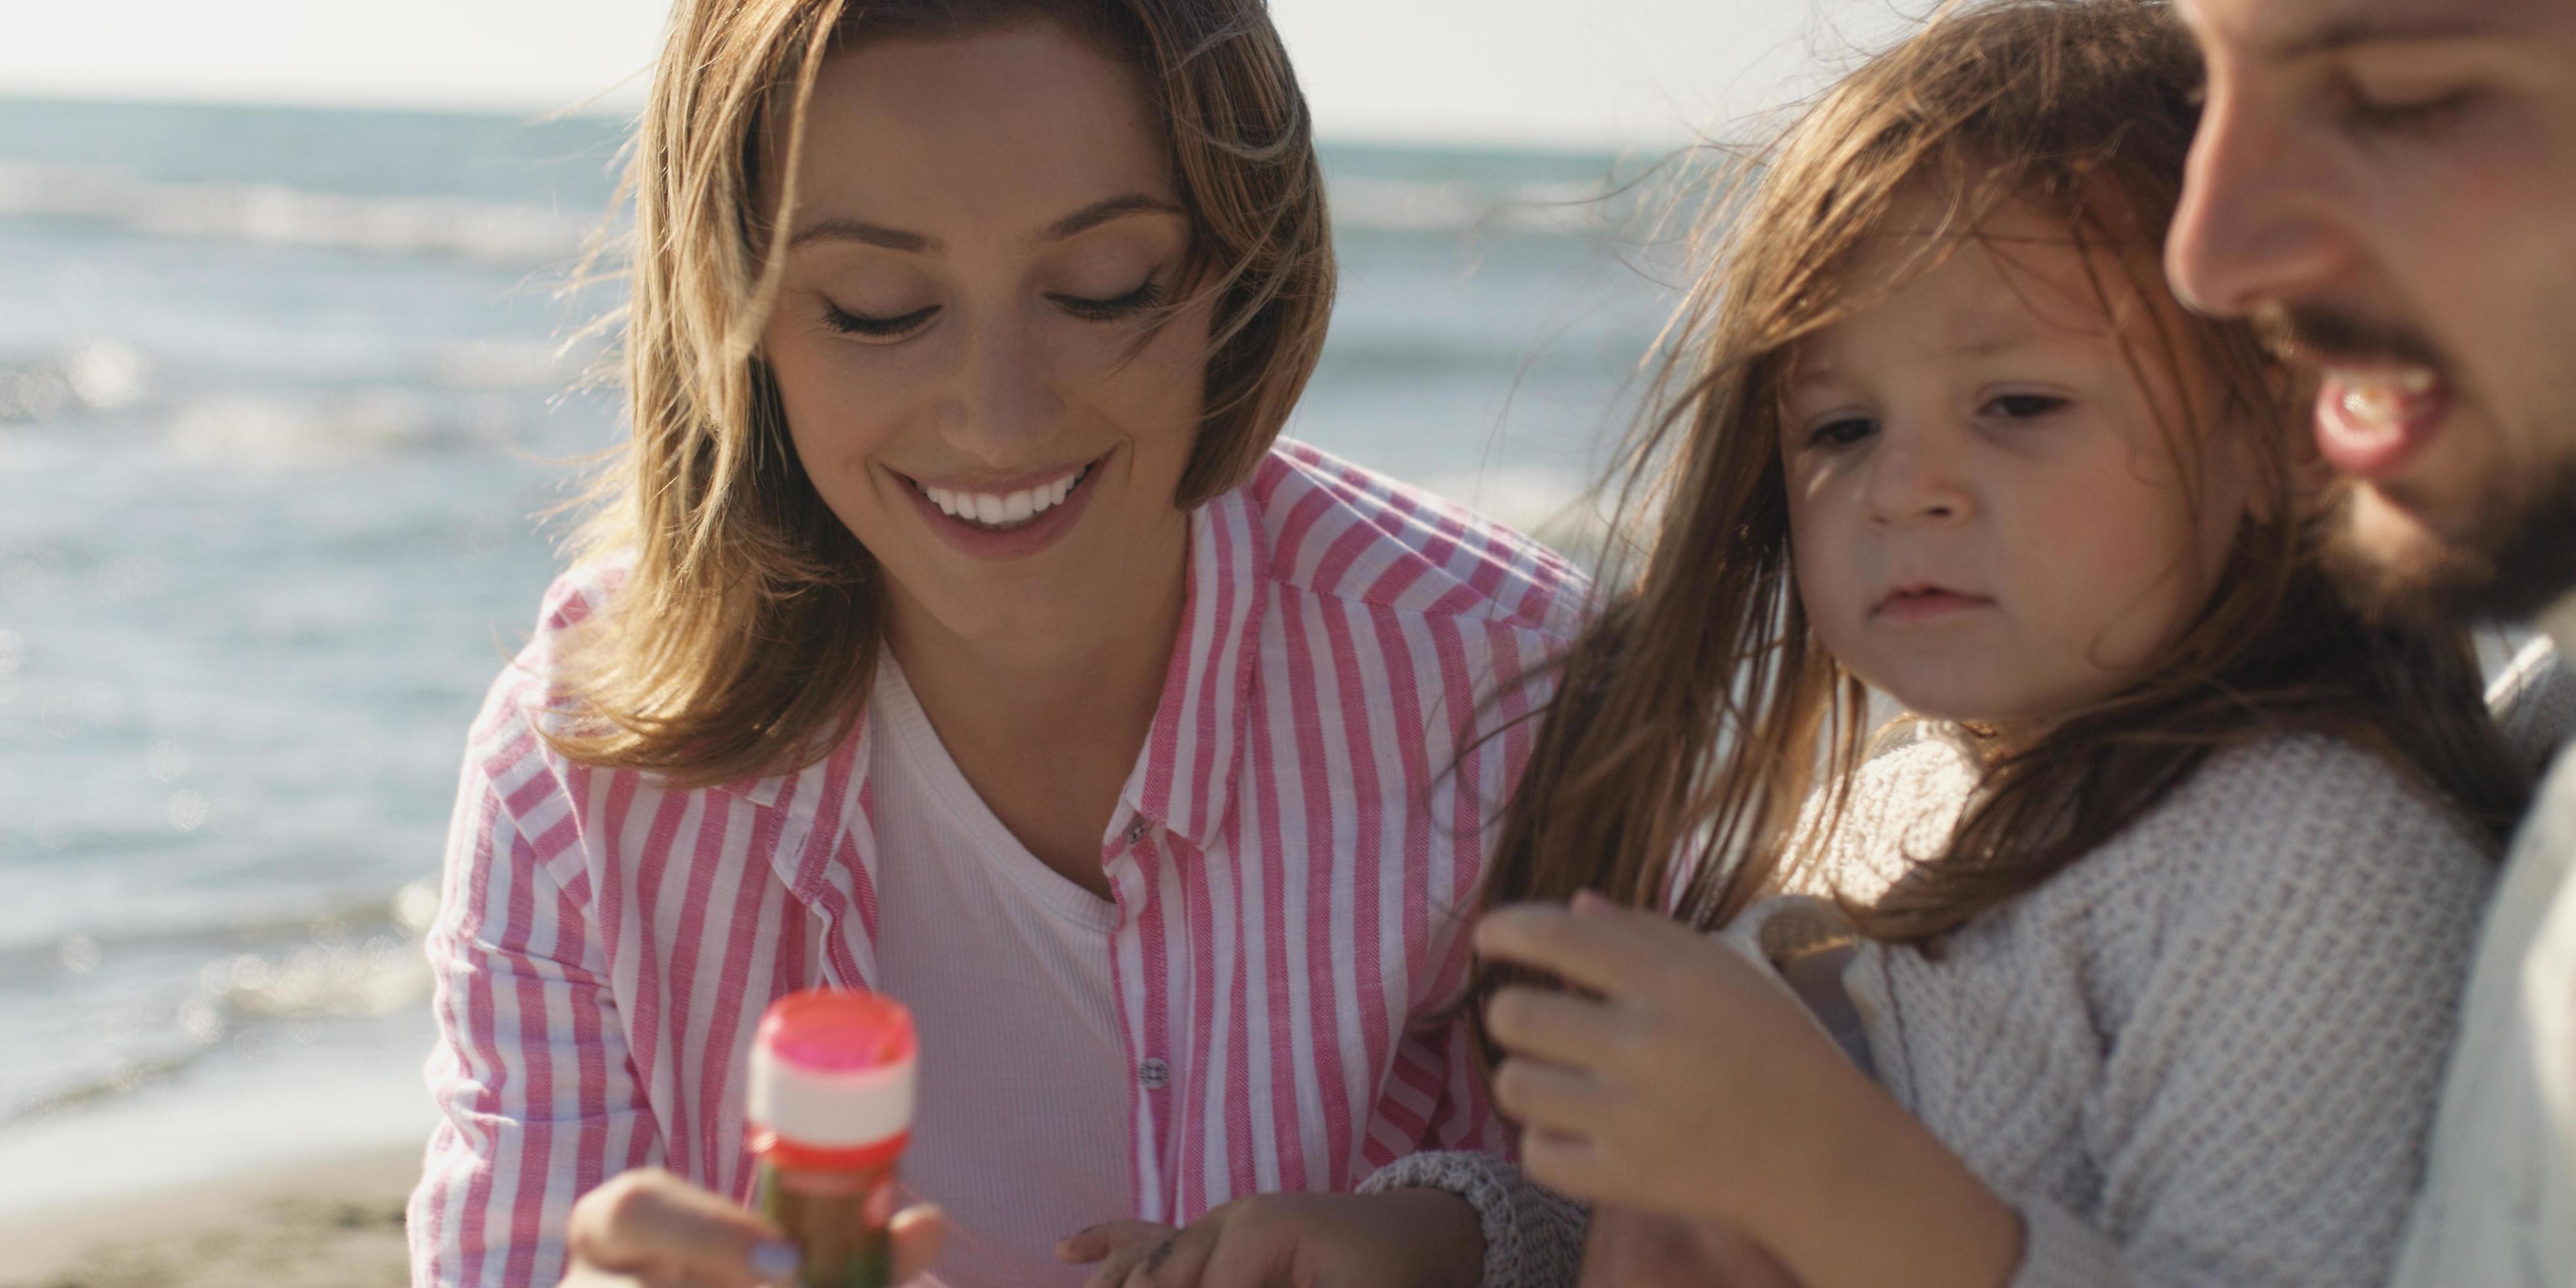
[
  {"x": 1288, "y": 860},
  {"x": 1533, "y": 1236},
  {"x": 1021, "y": 1138},
  {"x": 2499, "y": 1205},
  {"x": 2207, "y": 1052}
]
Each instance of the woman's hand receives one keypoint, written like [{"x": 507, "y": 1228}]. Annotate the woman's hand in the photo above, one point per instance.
[
  {"x": 1695, "y": 1086},
  {"x": 650, "y": 1229},
  {"x": 1626, "y": 1248},
  {"x": 1415, "y": 1237}
]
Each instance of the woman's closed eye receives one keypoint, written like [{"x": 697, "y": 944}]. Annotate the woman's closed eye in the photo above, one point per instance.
[
  {"x": 1146, "y": 296},
  {"x": 870, "y": 327}
]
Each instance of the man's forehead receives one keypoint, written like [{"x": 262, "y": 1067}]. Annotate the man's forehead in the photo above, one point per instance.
[{"x": 2285, "y": 29}]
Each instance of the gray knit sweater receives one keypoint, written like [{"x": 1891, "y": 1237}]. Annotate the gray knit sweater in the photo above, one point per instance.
[{"x": 2206, "y": 1053}]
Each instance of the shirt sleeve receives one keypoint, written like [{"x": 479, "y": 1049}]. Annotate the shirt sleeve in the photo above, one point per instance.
[
  {"x": 539, "y": 1100},
  {"x": 2263, "y": 1108}
]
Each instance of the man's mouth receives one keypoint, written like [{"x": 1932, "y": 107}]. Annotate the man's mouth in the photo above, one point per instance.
[
  {"x": 2370, "y": 419},
  {"x": 2384, "y": 390}
]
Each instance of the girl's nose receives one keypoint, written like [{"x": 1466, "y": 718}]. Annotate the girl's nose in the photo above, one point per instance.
[{"x": 1914, "y": 479}]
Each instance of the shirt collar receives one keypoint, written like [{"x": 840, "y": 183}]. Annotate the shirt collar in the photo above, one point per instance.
[{"x": 1185, "y": 779}]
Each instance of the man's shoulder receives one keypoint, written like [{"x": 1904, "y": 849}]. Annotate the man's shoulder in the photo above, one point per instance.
[{"x": 1343, "y": 532}]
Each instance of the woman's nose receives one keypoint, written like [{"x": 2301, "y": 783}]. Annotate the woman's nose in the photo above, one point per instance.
[{"x": 1006, "y": 403}]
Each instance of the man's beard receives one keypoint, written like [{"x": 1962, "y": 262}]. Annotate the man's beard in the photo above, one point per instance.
[
  {"x": 2517, "y": 559},
  {"x": 2517, "y": 555}
]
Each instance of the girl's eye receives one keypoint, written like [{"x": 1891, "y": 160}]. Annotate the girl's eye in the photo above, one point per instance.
[
  {"x": 2417, "y": 116},
  {"x": 2023, "y": 406},
  {"x": 1834, "y": 434},
  {"x": 1133, "y": 302},
  {"x": 876, "y": 328}
]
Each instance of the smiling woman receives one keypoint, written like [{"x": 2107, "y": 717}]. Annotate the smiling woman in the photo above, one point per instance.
[{"x": 955, "y": 626}]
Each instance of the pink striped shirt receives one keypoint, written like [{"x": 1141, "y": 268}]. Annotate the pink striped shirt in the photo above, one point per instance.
[{"x": 1287, "y": 860}]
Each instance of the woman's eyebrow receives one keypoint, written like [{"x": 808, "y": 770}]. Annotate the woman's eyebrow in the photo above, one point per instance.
[
  {"x": 861, "y": 231},
  {"x": 1101, "y": 212},
  {"x": 1079, "y": 222}
]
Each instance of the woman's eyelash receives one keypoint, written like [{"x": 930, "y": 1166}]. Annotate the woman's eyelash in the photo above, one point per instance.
[
  {"x": 1144, "y": 297},
  {"x": 848, "y": 323}
]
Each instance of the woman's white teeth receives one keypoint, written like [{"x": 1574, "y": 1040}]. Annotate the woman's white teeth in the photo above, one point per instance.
[
  {"x": 1003, "y": 509},
  {"x": 2378, "y": 398}
]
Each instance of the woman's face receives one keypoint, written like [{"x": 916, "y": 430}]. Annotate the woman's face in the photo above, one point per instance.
[{"x": 982, "y": 225}]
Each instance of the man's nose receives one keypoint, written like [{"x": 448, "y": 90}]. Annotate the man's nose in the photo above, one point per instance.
[{"x": 2250, "y": 228}]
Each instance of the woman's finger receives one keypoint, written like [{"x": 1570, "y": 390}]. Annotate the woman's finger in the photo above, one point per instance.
[
  {"x": 1557, "y": 1027},
  {"x": 1088, "y": 1246},
  {"x": 1547, "y": 1096},
  {"x": 1113, "y": 1249},
  {"x": 918, "y": 1232},
  {"x": 1602, "y": 954},
  {"x": 1180, "y": 1261},
  {"x": 653, "y": 1225}
]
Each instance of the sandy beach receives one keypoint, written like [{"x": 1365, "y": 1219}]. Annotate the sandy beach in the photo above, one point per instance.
[{"x": 336, "y": 1223}]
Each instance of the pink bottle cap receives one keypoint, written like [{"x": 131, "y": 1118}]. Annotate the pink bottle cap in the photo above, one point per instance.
[{"x": 832, "y": 1078}]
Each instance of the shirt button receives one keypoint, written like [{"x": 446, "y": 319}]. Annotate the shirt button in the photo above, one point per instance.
[
  {"x": 1136, "y": 830},
  {"x": 1154, "y": 1074}
]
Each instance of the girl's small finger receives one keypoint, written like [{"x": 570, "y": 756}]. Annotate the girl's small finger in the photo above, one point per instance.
[
  {"x": 1604, "y": 956},
  {"x": 1565, "y": 1162},
  {"x": 1556, "y": 1027},
  {"x": 1547, "y": 1096}
]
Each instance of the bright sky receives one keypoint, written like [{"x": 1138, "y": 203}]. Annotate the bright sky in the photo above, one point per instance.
[{"x": 1528, "y": 71}]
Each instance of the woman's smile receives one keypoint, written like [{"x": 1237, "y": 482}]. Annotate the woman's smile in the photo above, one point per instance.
[{"x": 1004, "y": 518}]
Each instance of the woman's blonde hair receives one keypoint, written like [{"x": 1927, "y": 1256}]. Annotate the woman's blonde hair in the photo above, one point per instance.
[
  {"x": 1695, "y": 715},
  {"x": 744, "y": 636}
]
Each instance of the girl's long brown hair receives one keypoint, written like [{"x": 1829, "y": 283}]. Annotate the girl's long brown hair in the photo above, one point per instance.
[
  {"x": 1695, "y": 716},
  {"x": 745, "y": 634}
]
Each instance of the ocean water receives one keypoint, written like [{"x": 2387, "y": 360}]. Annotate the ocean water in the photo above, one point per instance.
[{"x": 284, "y": 396}]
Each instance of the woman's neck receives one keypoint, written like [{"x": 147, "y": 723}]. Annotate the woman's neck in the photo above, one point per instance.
[{"x": 1046, "y": 726}]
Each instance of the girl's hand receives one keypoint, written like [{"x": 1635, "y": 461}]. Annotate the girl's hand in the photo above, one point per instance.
[
  {"x": 1626, "y": 1248},
  {"x": 649, "y": 1229},
  {"x": 1415, "y": 1237},
  {"x": 1695, "y": 1086}
]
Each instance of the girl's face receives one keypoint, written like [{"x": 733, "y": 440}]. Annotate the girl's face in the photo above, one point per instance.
[
  {"x": 1988, "y": 518},
  {"x": 982, "y": 224}
]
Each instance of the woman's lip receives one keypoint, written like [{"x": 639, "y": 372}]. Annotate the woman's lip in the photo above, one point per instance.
[
  {"x": 1925, "y": 603},
  {"x": 2375, "y": 448},
  {"x": 977, "y": 541},
  {"x": 1002, "y": 486}
]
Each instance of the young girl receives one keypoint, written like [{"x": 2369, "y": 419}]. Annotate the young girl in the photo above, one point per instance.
[{"x": 2148, "y": 942}]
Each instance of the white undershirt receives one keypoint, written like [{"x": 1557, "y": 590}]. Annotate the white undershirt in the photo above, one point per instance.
[{"x": 1021, "y": 1129}]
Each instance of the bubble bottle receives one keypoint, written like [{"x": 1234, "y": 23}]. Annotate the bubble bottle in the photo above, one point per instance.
[{"x": 830, "y": 1112}]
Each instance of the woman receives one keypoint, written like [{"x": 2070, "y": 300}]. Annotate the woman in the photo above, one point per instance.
[{"x": 953, "y": 627}]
